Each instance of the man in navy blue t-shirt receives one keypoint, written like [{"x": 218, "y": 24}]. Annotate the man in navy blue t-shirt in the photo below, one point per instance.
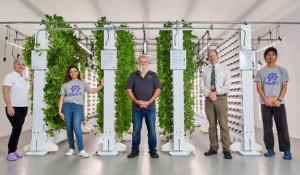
[{"x": 143, "y": 87}]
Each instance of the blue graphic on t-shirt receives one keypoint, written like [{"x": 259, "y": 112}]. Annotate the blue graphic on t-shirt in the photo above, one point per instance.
[
  {"x": 73, "y": 88},
  {"x": 272, "y": 77}
]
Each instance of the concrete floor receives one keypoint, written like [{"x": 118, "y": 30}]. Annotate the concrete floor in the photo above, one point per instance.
[{"x": 197, "y": 163}]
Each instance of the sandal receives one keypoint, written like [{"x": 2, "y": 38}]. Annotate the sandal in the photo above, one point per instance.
[
  {"x": 18, "y": 155},
  {"x": 11, "y": 157}
]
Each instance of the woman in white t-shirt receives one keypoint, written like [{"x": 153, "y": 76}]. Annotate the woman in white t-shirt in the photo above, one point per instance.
[{"x": 16, "y": 88}]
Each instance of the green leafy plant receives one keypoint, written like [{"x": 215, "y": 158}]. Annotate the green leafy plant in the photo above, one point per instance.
[
  {"x": 27, "y": 48},
  {"x": 165, "y": 108},
  {"x": 64, "y": 52},
  {"x": 189, "y": 76},
  {"x": 125, "y": 66},
  {"x": 99, "y": 43}
]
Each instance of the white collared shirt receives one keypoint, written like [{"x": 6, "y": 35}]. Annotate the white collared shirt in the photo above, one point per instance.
[
  {"x": 222, "y": 80},
  {"x": 19, "y": 90}
]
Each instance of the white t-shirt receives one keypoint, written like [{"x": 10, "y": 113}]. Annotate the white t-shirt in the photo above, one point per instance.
[{"x": 19, "y": 90}]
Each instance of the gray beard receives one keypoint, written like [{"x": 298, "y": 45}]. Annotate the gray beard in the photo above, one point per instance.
[{"x": 143, "y": 70}]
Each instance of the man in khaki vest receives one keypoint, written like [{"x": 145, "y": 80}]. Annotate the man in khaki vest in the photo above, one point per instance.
[{"x": 215, "y": 84}]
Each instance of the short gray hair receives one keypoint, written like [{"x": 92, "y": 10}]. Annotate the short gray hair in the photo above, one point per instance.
[
  {"x": 19, "y": 60},
  {"x": 143, "y": 56}
]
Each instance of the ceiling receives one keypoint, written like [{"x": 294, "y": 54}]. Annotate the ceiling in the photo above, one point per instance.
[{"x": 146, "y": 10}]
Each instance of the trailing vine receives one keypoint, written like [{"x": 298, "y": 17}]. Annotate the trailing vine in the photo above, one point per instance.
[
  {"x": 125, "y": 66},
  {"x": 165, "y": 108},
  {"x": 27, "y": 48},
  {"x": 189, "y": 76},
  {"x": 99, "y": 43},
  {"x": 64, "y": 52}
]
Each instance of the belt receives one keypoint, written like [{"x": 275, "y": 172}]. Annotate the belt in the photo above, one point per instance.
[{"x": 221, "y": 95}]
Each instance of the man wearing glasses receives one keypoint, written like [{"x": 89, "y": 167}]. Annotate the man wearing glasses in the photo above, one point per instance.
[{"x": 271, "y": 82}]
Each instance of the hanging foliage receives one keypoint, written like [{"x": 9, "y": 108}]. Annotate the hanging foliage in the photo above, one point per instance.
[
  {"x": 188, "y": 77},
  {"x": 27, "y": 48},
  {"x": 64, "y": 52},
  {"x": 99, "y": 43},
  {"x": 165, "y": 108},
  {"x": 125, "y": 66}
]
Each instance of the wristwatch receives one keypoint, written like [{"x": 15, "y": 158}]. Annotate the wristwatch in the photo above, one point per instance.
[{"x": 279, "y": 99}]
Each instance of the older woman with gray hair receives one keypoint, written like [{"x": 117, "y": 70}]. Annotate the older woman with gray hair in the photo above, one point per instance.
[{"x": 16, "y": 88}]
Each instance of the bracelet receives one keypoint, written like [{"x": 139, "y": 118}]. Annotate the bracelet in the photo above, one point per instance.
[{"x": 279, "y": 99}]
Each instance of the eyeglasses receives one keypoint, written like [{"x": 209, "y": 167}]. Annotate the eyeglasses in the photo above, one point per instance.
[{"x": 271, "y": 55}]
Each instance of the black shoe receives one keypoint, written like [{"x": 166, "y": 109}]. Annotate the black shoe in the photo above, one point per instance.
[
  {"x": 133, "y": 154},
  {"x": 154, "y": 154},
  {"x": 210, "y": 152},
  {"x": 227, "y": 155}
]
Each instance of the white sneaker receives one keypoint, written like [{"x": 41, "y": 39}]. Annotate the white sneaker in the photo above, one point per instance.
[
  {"x": 70, "y": 152},
  {"x": 83, "y": 154}
]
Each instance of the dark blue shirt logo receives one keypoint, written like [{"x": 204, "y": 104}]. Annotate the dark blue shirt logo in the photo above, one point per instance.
[
  {"x": 75, "y": 88},
  {"x": 272, "y": 77}
]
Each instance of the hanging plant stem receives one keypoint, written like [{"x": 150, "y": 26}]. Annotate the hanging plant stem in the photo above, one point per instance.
[
  {"x": 125, "y": 66},
  {"x": 61, "y": 55},
  {"x": 99, "y": 43},
  {"x": 27, "y": 48},
  {"x": 165, "y": 108},
  {"x": 189, "y": 76}
]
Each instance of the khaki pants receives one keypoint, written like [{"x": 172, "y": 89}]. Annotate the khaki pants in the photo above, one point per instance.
[{"x": 218, "y": 111}]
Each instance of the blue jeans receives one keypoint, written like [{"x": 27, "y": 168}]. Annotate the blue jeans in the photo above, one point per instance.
[
  {"x": 73, "y": 117},
  {"x": 137, "y": 121}
]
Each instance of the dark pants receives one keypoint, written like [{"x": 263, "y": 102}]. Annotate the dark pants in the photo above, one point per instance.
[
  {"x": 281, "y": 125},
  {"x": 16, "y": 122},
  {"x": 137, "y": 121}
]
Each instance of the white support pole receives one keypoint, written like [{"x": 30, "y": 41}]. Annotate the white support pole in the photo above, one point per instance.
[
  {"x": 178, "y": 147},
  {"x": 249, "y": 145},
  {"x": 178, "y": 114},
  {"x": 39, "y": 145},
  {"x": 109, "y": 147}
]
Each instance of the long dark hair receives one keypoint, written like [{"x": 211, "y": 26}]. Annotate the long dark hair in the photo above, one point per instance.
[{"x": 68, "y": 77}]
